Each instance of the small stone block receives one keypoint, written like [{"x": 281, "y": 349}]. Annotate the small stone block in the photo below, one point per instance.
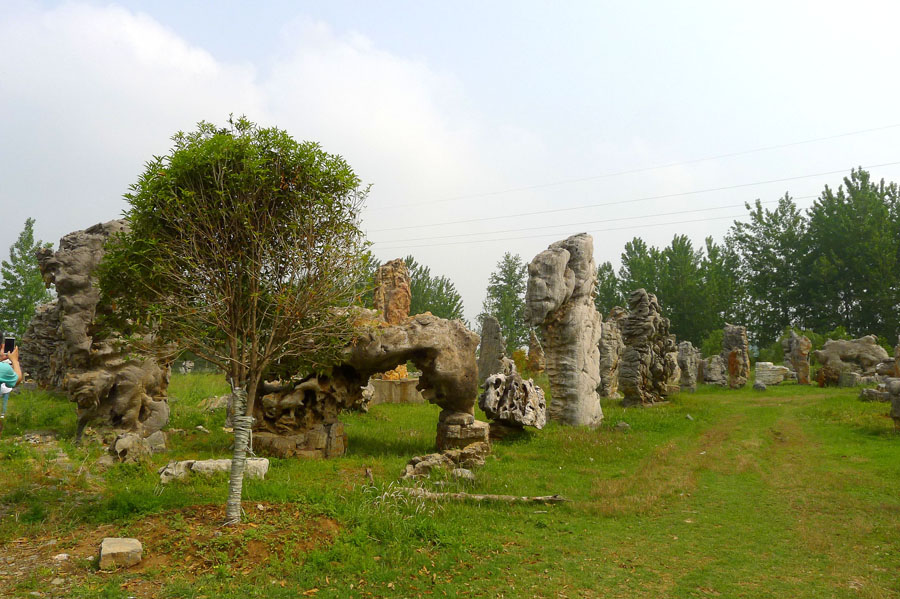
[{"x": 119, "y": 553}]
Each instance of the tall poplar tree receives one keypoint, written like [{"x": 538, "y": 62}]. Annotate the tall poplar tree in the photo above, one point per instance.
[{"x": 22, "y": 288}]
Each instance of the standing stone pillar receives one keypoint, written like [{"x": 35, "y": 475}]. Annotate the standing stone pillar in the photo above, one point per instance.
[
  {"x": 796, "y": 356},
  {"x": 736, "y": 354},
  {"x": 392, "y": 294},
  {"x": 611, "y": 349},
  {"x": 559, "y": 299},
  {"x": 492, "y": 350}
]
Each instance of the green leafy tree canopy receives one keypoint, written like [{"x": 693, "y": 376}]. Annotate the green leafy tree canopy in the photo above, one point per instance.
[
  {"x": 22, "y": 289},
  {"x": 505, "y": 300}
]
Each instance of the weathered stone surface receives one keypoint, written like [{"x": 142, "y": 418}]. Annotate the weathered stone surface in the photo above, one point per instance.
[
  {"x": 878, "y": 394},
  {"x": 736, "y": 354},
  {"x": 689, "y": 362},
  {"x": 759, "y": 386},
  {"x": 392, "y": 294},
  {"x": 471, "y": 456},
  {"x": 131, "y": 447},
  {"x": 649, "y": 368},
  {"x": 611, "y": 347},
  {"x": 536, "y": 353},
  {"x": 713, "y": 371},
  {"x": 559, "y": 300},
  {"x": 254, "y": 468},
  {"x": 398, "y": 391},
  {"x": 443, "y": 350},
  {"x": 320, "y": 440},
  {"x": 848, "y": 379},
  {"x": 886, "y": 368},
  {"x": 513, "y": 401},
  {"x": 796, "y": 356},
  {"x": 858, "y": 355},
  {"x": 770, "y": 374},
  {"x": 492, "y": 348},
  {"x": 120, "y": 553},
  {"x": 60, "y": 349}
]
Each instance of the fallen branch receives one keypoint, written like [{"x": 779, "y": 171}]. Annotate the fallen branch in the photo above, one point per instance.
[{"x": 473, "y": 497}]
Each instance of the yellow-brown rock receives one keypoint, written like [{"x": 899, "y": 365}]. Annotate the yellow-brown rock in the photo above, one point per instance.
[{"x": 392, "y": 294}]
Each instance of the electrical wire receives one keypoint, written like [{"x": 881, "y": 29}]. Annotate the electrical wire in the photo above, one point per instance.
[
  {"x": 630, "y": 201},
  {"x": 641, "y": 169}
]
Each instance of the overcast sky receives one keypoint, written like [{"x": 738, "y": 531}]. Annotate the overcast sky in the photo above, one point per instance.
[{"x": 457, "y": 111}]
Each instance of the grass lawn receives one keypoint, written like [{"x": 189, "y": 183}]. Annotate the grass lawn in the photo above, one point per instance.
[{"x": 793, "y": 492}]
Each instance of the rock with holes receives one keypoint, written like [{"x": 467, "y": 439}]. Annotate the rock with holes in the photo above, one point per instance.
[
  {"x": 392, "y": 293},
  {"x": 64, "y": 349},
  {"x": 513, "y": 401},
  {"x": 120, "y": 553},
  {"x": 299, "y": 415},
  {"x": 130, "y": 448},
  {"x": 559, "y": 300}
]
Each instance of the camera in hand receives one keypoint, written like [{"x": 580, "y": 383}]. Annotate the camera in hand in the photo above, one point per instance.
[{"x": 9, "y": 344}]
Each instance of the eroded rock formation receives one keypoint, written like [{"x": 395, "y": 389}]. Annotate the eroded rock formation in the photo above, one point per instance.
[
  {"x": 689, "y": 362},
  {"x": 796, "y": 356},
  {"x": 302, "y": 418},
  {"x": 736, "y": 354},
  {"x": 492, "y": 349},
  {"x": 392, "y": 294},
  {"x": 62, "y": 350},
  {"x": 559, "y": 299},
  {"x": 611, "y": 349},
  {"x": 513, "y": 401},
  {"x": 649, "y": 367},
  {"x": 861, "y": 356},
  {"x": 713, "y": 371}
]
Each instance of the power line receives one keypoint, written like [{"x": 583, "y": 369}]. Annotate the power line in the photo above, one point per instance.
[
  {"x": 631, "y": 201},
  {"x": 579, "y": 224},
  {"x": 641, "y": 169},
  {"x": 641, "y": 226}
]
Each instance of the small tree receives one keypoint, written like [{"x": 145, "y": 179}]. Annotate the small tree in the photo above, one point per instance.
[
  {"x": 505, "y": 300},
  {"x": 431, "y": 293},
  {"x": 242, "y": 244},
  {"x": 23, "y": 287}
]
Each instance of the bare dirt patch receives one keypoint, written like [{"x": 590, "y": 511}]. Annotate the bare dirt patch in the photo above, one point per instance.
[{"x": 189, "y": 542}]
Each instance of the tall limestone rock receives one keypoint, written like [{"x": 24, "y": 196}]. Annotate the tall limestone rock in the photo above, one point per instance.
[
  {"x": 492, "y": 349},
  {"x": 392, "y": 294},
  {"x": 796, "y": 350},
  {"x": 689, "y": 362},
  {"x": 62, "y": 348},
  {"x": 611, "y": 349},
  {"x": 649, "y": 368},
  {"x": 559, "y": 299},
  {"x": 736, "y": 355}
]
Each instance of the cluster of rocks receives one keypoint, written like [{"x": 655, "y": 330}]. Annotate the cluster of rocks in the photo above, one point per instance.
[
  {"x": 796, "y": 350},
  {"x": 768, "y": 374},
  {"x": 852, "y": 362},
  {"x": 453, "y": 460},
  {"x": 63, "y": 348},
  {"x": 559, "y": 300},
  {"x": 649, "y": 368},
  {"x": 730, "y": 368}
]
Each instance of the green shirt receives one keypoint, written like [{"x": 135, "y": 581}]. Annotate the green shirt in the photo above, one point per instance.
[{"x": 8, "y": 376}]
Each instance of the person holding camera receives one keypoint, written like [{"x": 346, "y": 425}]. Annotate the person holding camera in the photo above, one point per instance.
[{"x": 10, "y": 374}]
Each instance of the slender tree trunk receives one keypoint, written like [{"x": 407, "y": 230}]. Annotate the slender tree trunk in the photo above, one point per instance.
[{"x": 242, "y": 424}]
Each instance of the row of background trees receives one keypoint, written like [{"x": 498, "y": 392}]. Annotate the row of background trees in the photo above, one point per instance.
[{"x": 834, "y": 265}]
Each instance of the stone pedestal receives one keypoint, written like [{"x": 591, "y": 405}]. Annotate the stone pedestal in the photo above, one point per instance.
[{"x": 457, "y": 430}]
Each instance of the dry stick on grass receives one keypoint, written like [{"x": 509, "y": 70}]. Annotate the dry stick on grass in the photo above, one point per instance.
[{"x": 474, "y": 497}]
